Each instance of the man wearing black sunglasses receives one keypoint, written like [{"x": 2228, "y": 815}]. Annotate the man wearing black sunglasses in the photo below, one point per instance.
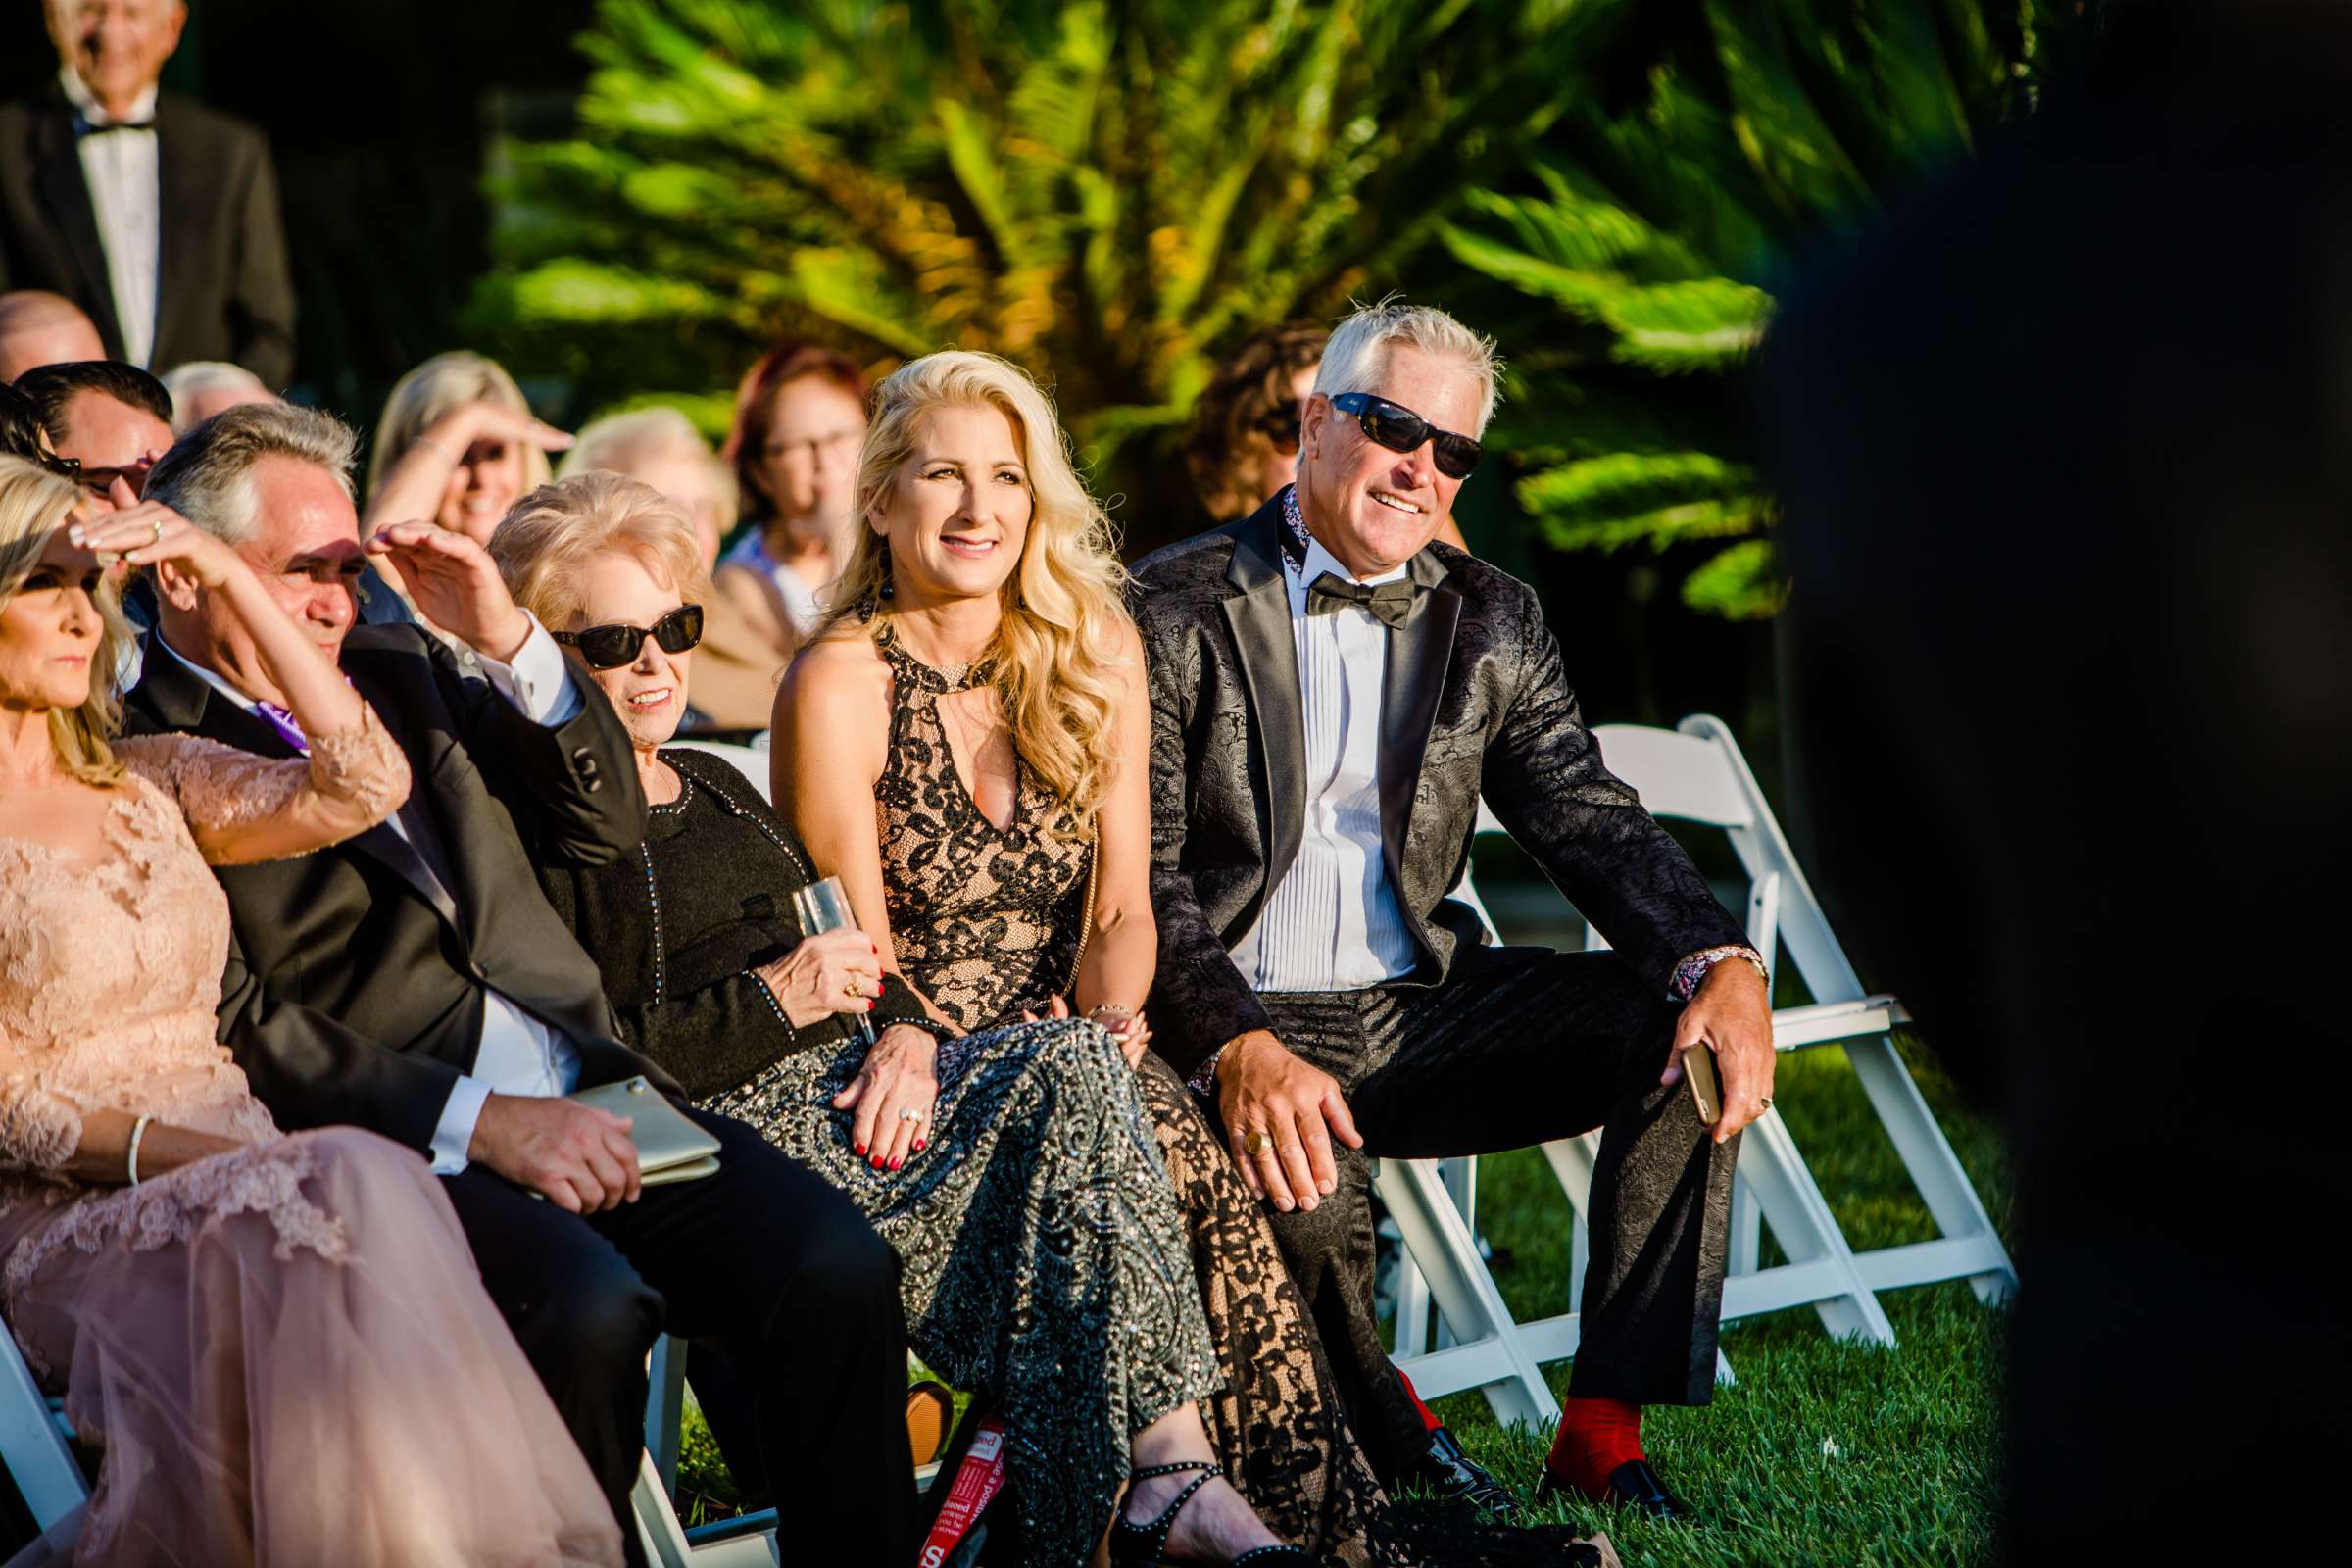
[{"x": 1331, "y": 693}]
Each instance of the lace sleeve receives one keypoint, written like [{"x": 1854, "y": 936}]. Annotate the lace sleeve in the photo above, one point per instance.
[
  {"x": 37, "y": 1128},
  {"x": 243, "y": 807}
]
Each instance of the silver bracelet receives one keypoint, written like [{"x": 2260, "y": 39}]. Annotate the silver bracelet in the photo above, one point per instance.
[{"x": 138, "y": 1130}]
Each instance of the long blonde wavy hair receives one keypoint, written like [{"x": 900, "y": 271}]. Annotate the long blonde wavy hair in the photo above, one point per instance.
[
  {"x": 33, "y": 505},
  {"x": 1062, "y": 601}
]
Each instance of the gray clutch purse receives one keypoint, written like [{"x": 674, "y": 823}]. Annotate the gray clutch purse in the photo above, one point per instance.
[{"x": 670, "y": 1147}]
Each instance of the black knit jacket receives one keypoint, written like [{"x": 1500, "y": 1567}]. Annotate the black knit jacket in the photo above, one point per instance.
[{"x": 678, "y": 928}]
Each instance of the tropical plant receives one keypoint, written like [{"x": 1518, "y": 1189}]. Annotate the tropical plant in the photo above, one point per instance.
[
  {"x": 1108, "y": 193},
  {"x": 1638, "y": 246}
]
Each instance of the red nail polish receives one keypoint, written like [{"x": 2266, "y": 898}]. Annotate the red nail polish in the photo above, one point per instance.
[
  {"x": 869, "y": 1004},
  {"x": 896, "y": 1163},
  {"x": 877, "y": 1162},
  {"x": 859, "y": 1148},
  {"x": 919, "y": 1145}
]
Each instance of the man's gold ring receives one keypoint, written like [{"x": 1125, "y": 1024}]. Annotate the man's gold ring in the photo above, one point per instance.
[
  {"x": 1763, "y": 1104},
  {"x": 1253, "y": 1143}
]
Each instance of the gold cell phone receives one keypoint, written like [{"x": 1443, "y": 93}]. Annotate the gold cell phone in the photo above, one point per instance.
[{"x": 1706, "y": 1090}]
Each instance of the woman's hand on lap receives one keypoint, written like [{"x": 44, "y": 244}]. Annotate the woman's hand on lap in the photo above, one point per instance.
[{"x": 898, "y": 1076}]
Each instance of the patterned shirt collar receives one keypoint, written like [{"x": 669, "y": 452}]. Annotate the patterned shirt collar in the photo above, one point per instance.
[{"x": 1295, "y": 538}]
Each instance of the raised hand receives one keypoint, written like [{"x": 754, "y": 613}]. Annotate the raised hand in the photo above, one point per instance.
[
  {"x": 455, "y": 586},
  {"x": 1732, "y": 1015},
  {"x": 144, "y": 532},
  {"x": 893, "y": 1097},
  {"x": 1290, "y": 1111}
]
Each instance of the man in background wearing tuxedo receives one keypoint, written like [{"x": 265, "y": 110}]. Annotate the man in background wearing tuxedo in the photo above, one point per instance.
[{"x": 156, "y": 215}]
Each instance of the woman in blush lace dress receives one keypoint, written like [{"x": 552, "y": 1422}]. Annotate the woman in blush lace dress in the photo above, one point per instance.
[{"x": 278, "y": 1343}]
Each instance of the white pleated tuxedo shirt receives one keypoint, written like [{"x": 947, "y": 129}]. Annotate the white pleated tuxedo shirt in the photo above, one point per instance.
[
  {"x": 1333, "y": 923},
  {"x": 127, "y": 195}
]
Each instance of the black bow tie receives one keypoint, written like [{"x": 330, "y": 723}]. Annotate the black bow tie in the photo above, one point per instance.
[
  {"x": 89, "y": 128},
  {"x": 1390, "y": 603}
]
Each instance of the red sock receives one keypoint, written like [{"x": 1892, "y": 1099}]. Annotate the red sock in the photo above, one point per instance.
[
  {"x": 1429, "y": 1417},
  {"x": 1596, "y": 1437}
]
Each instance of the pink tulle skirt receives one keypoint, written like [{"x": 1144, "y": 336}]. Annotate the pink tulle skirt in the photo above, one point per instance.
[{"x": 286, "y": 1358}]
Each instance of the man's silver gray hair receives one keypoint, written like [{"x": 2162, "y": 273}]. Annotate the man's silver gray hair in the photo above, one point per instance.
[
  {"x": 207, "y": 476},
  {"x": 198, "y": 376},
  {"x": 1356, "y": 358}
]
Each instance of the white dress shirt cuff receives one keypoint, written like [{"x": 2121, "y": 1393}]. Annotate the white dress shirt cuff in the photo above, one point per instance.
[
  {"x": 536, "y": 679},
  {"x": 455, "y": 1135}
]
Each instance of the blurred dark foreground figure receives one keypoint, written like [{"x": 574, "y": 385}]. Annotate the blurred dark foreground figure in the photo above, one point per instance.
[{"x": 2070, "y": 519}]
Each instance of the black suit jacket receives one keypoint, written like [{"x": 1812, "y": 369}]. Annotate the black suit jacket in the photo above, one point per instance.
[
  {"x": 222, "y": 289},
  {"x": 1473, "y": 699},
  {"x": 354, "y": 991}
]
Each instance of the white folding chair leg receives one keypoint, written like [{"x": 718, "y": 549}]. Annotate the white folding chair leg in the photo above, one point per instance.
[
  {"x": 666, "y": 1409},
  {"x": 657, "y": 1526},
  {"x": 1970, "y": 1248},
  {"x": 43, "y": 1467},
  {"x": 1412, "y": 1310},
  {"x": 1748, "y": 1238},
  {"x": 1821, "y": 1270},
  {"x": 1489, "y": 1356}
]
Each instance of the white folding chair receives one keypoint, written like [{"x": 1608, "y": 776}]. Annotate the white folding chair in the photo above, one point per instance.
[
  {"x": 751, "y": 762},
  {"x": 35, "y": 1441},
  {"x": 1696, "y": 773}
]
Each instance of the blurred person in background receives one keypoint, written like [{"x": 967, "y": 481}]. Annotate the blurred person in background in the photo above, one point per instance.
[
  {"x": 1242, "y": 445},
  {"x": 22, "y": 434},
  {"x": 114, "y": 419},
  {"x": 736, "y": 665},
  {"x": 155, "y": 215},
  {"x": 456, "y": 446},
  {"x": 2068, "y": 677},
  {"x": 185, "y": 1273},
  {"x": 800, "y": 414},
  {"x": 1319, "y": 988},
  {"x": 37, "y": 328},
  {"x": 202, "y": 388}
]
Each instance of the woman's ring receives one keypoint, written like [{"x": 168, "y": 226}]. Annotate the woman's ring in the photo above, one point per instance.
[
  {"x": 907, "y": 1114},
  {"x": 1253, "y": 1143},
  {"x": 157, "y": 523},
  {"x": 849, "y": 988}
]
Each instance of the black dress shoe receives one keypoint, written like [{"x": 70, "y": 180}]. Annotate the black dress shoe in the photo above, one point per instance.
[
  {"x": 1450, "y": 1475},
  {"x": 1631, "y": 1485}
]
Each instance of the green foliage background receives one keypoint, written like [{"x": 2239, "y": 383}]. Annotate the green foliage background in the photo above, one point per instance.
[{"x": 1113, "y": 194}]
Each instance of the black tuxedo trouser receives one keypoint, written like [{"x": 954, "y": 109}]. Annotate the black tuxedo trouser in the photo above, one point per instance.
[
  {"x": 1518, "y": 1047},
  {"x": 765, "y": 1261}
]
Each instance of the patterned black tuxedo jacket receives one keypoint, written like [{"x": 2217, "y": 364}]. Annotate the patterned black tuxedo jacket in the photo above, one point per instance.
[
  {"x": 1473, "y": 699},
  {"x": 354, "y": 991}
]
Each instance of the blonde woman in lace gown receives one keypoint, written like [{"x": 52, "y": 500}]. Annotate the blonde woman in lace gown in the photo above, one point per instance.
[
  {"x": 277, "y": 1343},
  {"x": 983, "y": 684}
]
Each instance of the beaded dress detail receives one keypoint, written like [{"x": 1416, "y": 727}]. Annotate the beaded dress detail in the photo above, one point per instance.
[{"x": 193, "y": 1320}]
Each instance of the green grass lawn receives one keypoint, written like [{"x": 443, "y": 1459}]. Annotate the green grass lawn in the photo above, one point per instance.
[{"x": 1822, "y": 1451}]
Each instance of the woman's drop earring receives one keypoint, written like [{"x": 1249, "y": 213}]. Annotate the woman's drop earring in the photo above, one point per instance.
[{"x": 889, "y": 589}]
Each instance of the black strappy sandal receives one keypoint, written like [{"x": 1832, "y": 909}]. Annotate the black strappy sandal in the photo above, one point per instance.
[{"x": 1134, "y": 1545}]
